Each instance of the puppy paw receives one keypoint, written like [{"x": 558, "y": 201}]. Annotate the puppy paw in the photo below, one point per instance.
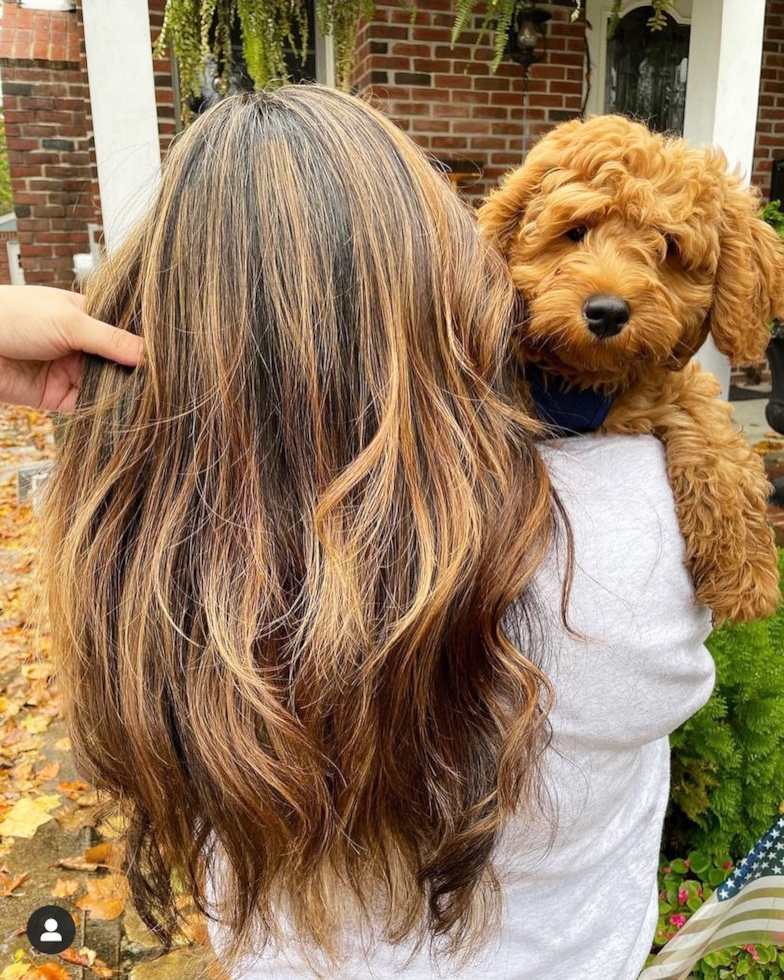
[{"x": 751, "y": 592}]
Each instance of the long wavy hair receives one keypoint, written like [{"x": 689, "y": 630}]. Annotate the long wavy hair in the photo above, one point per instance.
[{"x": 277, "y": 556}]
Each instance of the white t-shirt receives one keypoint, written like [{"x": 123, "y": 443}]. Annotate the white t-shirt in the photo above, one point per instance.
[{"x": 587, "y": 910}]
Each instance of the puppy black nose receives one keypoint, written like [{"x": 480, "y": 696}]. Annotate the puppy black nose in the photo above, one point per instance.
[{"x": 605, "y": 314}]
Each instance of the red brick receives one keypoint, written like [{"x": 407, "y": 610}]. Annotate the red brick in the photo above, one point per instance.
[
  {"x": 411, "y": 108},
  {"x": 421, "y": 50},
  {"x": 430, "y": 125},
  {"x": 567, "y": 88},
  {"x": 547, "y": 71},
  {"x": 464, "y": 97},
  {"x": 448, "y": 143},
  {"x": 452, "y": 81}
]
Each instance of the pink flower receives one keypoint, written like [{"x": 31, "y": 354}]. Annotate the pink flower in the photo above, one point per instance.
[
  {"x": 687, "y": 862},
  {"x": 753, "y": 950},
  {"x": 683, "y": 896},
  {"x": 666, "y": 869},
  {"x": 678, "y": 920},
  {"x": 699, "y": 892}
]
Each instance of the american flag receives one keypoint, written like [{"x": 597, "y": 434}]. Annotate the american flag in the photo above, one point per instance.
[{"x": 746, "y": 908}]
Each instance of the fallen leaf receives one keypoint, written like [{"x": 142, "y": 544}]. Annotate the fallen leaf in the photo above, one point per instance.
[
  {"x": 49, "y": 971},
  {"x": 73, "y": 789},
  {"x": 77, "y": 863},
  {"x": 108, "y": 855},
  {"x": 35, "y": 724},
  {"x": 26, "y": 816},
  {"x": 105, "y": 898},
  {"x": 65, "y": 887},
  {"x": 16, "y": 882},
  {"x": 50, "y": 771},
  {"x": 37, "y": 671},
  {"x": 73, "y": 817},
  {"x": 87, "y": 957},
  {"x": 63, "y": 744},
  {"x": 16, "y": 971},
  {"x": 9, "y": 708}
]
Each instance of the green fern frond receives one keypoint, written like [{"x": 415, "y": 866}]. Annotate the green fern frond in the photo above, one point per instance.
[{"x": 462, "y": 15}]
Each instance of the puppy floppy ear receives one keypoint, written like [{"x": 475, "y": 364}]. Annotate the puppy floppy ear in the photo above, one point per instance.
[
  {"x": 749, "y": 285},
  {"x": 502, "y": 212}
]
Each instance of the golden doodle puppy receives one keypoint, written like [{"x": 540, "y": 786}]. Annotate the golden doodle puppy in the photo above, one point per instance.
[{"x": 629, "y": 249}]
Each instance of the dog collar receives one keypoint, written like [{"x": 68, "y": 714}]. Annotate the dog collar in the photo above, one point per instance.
[{"x": 568, "y": 409}]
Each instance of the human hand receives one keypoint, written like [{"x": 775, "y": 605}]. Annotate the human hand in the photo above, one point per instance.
[{"x": 43, "y": 332}]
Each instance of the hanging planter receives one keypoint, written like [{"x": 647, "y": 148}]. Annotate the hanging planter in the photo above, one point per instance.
[{"x": 200, "y": 30}]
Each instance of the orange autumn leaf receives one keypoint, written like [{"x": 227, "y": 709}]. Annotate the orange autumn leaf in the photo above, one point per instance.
[
  {"x": 48, "y": 971},
  {"x": 105, "y": 898},
  {"x": 65, "y": 887},
  {"x": 76, "y": 863},
  {"x": 50, "y": 771},
  {"x": 106, "y": 854},
  {"x": 86, "y": 957},
  {"x": 73, "y": 789},
  {"x": 16, "y": 882}
]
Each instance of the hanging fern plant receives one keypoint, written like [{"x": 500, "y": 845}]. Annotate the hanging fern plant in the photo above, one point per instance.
[
  {"x": 201, "y": 29},
  {"x": 499, "y": 15},
  {"x": 341, "y": 19}
]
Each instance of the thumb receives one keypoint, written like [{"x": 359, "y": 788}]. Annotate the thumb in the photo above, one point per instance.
[{"x": 96, "y": 337}]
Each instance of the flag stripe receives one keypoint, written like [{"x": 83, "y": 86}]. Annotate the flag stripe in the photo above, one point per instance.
[
  {"x": 706, "y": 915},
  {"x": 743, "y": 912},
  {"x": 755, "y": 936}
]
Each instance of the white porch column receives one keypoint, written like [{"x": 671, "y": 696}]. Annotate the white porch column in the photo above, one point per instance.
[
  {"x": 725, "y": 59},
  {"x": 122, "y": 97}
]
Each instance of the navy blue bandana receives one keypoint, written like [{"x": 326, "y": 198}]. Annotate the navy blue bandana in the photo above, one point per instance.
[{"x": 569, "y": 410}]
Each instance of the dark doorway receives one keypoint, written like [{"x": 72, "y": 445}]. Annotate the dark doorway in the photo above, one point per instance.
[{"x": 646, "y": 71}]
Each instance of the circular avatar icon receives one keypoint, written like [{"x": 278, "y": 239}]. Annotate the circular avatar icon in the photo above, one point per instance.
[{"x": 51, "y": 929}]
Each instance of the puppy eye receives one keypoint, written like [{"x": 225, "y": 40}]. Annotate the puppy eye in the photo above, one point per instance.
[{"x": 577, "y": 234}]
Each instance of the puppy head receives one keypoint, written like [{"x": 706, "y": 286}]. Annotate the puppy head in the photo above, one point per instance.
[{"x": 629, "y": 246}]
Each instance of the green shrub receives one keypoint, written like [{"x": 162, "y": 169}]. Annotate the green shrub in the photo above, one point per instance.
[
  {"x": 726, "y": 787},
  {"x": 728, "y": 758},
  {"x": 775, "y": 218}
]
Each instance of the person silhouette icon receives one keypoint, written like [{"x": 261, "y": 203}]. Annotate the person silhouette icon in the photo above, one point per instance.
[
  {"x": 51, "y": 935},
  {"x": 51, "y": 929}
]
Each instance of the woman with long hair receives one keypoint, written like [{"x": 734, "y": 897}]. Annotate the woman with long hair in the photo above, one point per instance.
[{"x": 383, "y": 694}]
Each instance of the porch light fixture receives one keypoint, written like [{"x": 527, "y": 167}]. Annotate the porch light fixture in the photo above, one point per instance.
[{"x": 525, "y": 35}]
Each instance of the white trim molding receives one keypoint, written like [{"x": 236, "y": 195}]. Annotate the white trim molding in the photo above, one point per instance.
[
  {"x": 125, "y": 116},
  {"x": 68, "y": 5}
]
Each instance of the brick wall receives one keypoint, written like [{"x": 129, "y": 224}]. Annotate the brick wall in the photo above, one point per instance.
[
  {"x": 44, "y": 97},
  {"x": 770, "y": 120},
  {"x": 447, "y": 98},
  {"x": 49, "y": 131}
]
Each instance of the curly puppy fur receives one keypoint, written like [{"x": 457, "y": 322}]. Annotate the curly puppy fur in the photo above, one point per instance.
[{"x": 606, "y": 207}]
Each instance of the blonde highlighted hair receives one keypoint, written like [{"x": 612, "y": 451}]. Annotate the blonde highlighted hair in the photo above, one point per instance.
[{"x": 278, "y": 555}]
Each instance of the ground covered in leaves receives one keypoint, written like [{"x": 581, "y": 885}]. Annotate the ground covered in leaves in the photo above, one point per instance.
[{"x": 51, "y": 851}]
